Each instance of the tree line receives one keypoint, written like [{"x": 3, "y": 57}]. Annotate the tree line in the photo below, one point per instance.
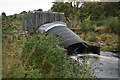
[
  {"x": 77, "y": 13},
  {"x": 98, "y": 13}
]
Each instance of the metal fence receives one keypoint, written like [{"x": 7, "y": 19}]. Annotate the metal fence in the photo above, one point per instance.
[{"x": 33, "y": 20}]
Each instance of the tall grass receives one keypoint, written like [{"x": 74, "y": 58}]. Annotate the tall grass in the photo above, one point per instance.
[{"x": 111, "y": 24}]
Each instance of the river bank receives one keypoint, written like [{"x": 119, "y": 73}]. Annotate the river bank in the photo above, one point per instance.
[{"x": 106, "y": 41}]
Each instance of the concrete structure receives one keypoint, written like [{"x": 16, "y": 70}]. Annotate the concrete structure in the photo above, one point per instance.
[
  {"x": 68, "y": 39},
  {"x": 53, "y": 23},
  {"x": 33, "y": 20}
]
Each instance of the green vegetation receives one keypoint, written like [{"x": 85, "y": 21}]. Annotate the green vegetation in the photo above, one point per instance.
[
  {"x": 39, "y": 56},
  {"x": 96, "y": 22}
]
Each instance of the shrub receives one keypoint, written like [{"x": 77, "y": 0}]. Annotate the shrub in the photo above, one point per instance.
[
  {"x": 43, "y": 54},
  {"x": 111, "y": 24},
  {"x": 37, "y": 56},
  {"x": 86, "y": 25},
  {"x": 41, "y": 57}
]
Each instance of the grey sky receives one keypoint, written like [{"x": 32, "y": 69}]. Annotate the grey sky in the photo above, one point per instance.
[{"x": 16, "y": 6}]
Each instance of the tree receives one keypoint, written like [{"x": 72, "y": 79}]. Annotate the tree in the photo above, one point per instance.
[
  {"x": 4, "y": 16},
  {"x": 23, "y": 12},
  {"x": 64, "y": 7},
  {"x": 75, "y": 11},
  {"x": 71, "y": 11},
  {"x": 110, "y": 9},
  {"x": 38, "y": 10},
  {"x": 95, "y": 9}
]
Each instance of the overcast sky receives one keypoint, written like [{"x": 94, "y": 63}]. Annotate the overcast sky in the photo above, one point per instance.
[{"x": 16, "y": 6}]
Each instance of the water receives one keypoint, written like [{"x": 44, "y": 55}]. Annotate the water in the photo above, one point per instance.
[{"x": 105, "y": 64}]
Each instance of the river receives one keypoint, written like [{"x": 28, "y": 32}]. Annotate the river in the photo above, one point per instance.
[{"x": 106, "y": 64}]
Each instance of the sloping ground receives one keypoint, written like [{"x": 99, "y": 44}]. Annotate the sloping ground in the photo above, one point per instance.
[{"x": 106, "y": 41}]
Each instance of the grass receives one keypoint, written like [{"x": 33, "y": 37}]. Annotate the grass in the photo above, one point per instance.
[
  {"x": 107, "y": 41},
  {"x": 102, "y": 32}
]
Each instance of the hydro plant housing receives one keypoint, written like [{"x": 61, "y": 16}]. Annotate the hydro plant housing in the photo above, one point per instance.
[{"x": 52, "y": 23}]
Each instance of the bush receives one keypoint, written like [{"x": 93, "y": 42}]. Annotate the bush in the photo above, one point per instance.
[
  {"x": 43, "y": 54},
  {"x": 86, "y": 25},
  {"x": 110, "y": 22},
  {"x": 41, "y": 57},
  {"x": 37, "y": 56}
]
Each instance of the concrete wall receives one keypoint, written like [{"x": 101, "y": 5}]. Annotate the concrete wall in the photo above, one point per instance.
[{"x": 33, "y": 20}]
